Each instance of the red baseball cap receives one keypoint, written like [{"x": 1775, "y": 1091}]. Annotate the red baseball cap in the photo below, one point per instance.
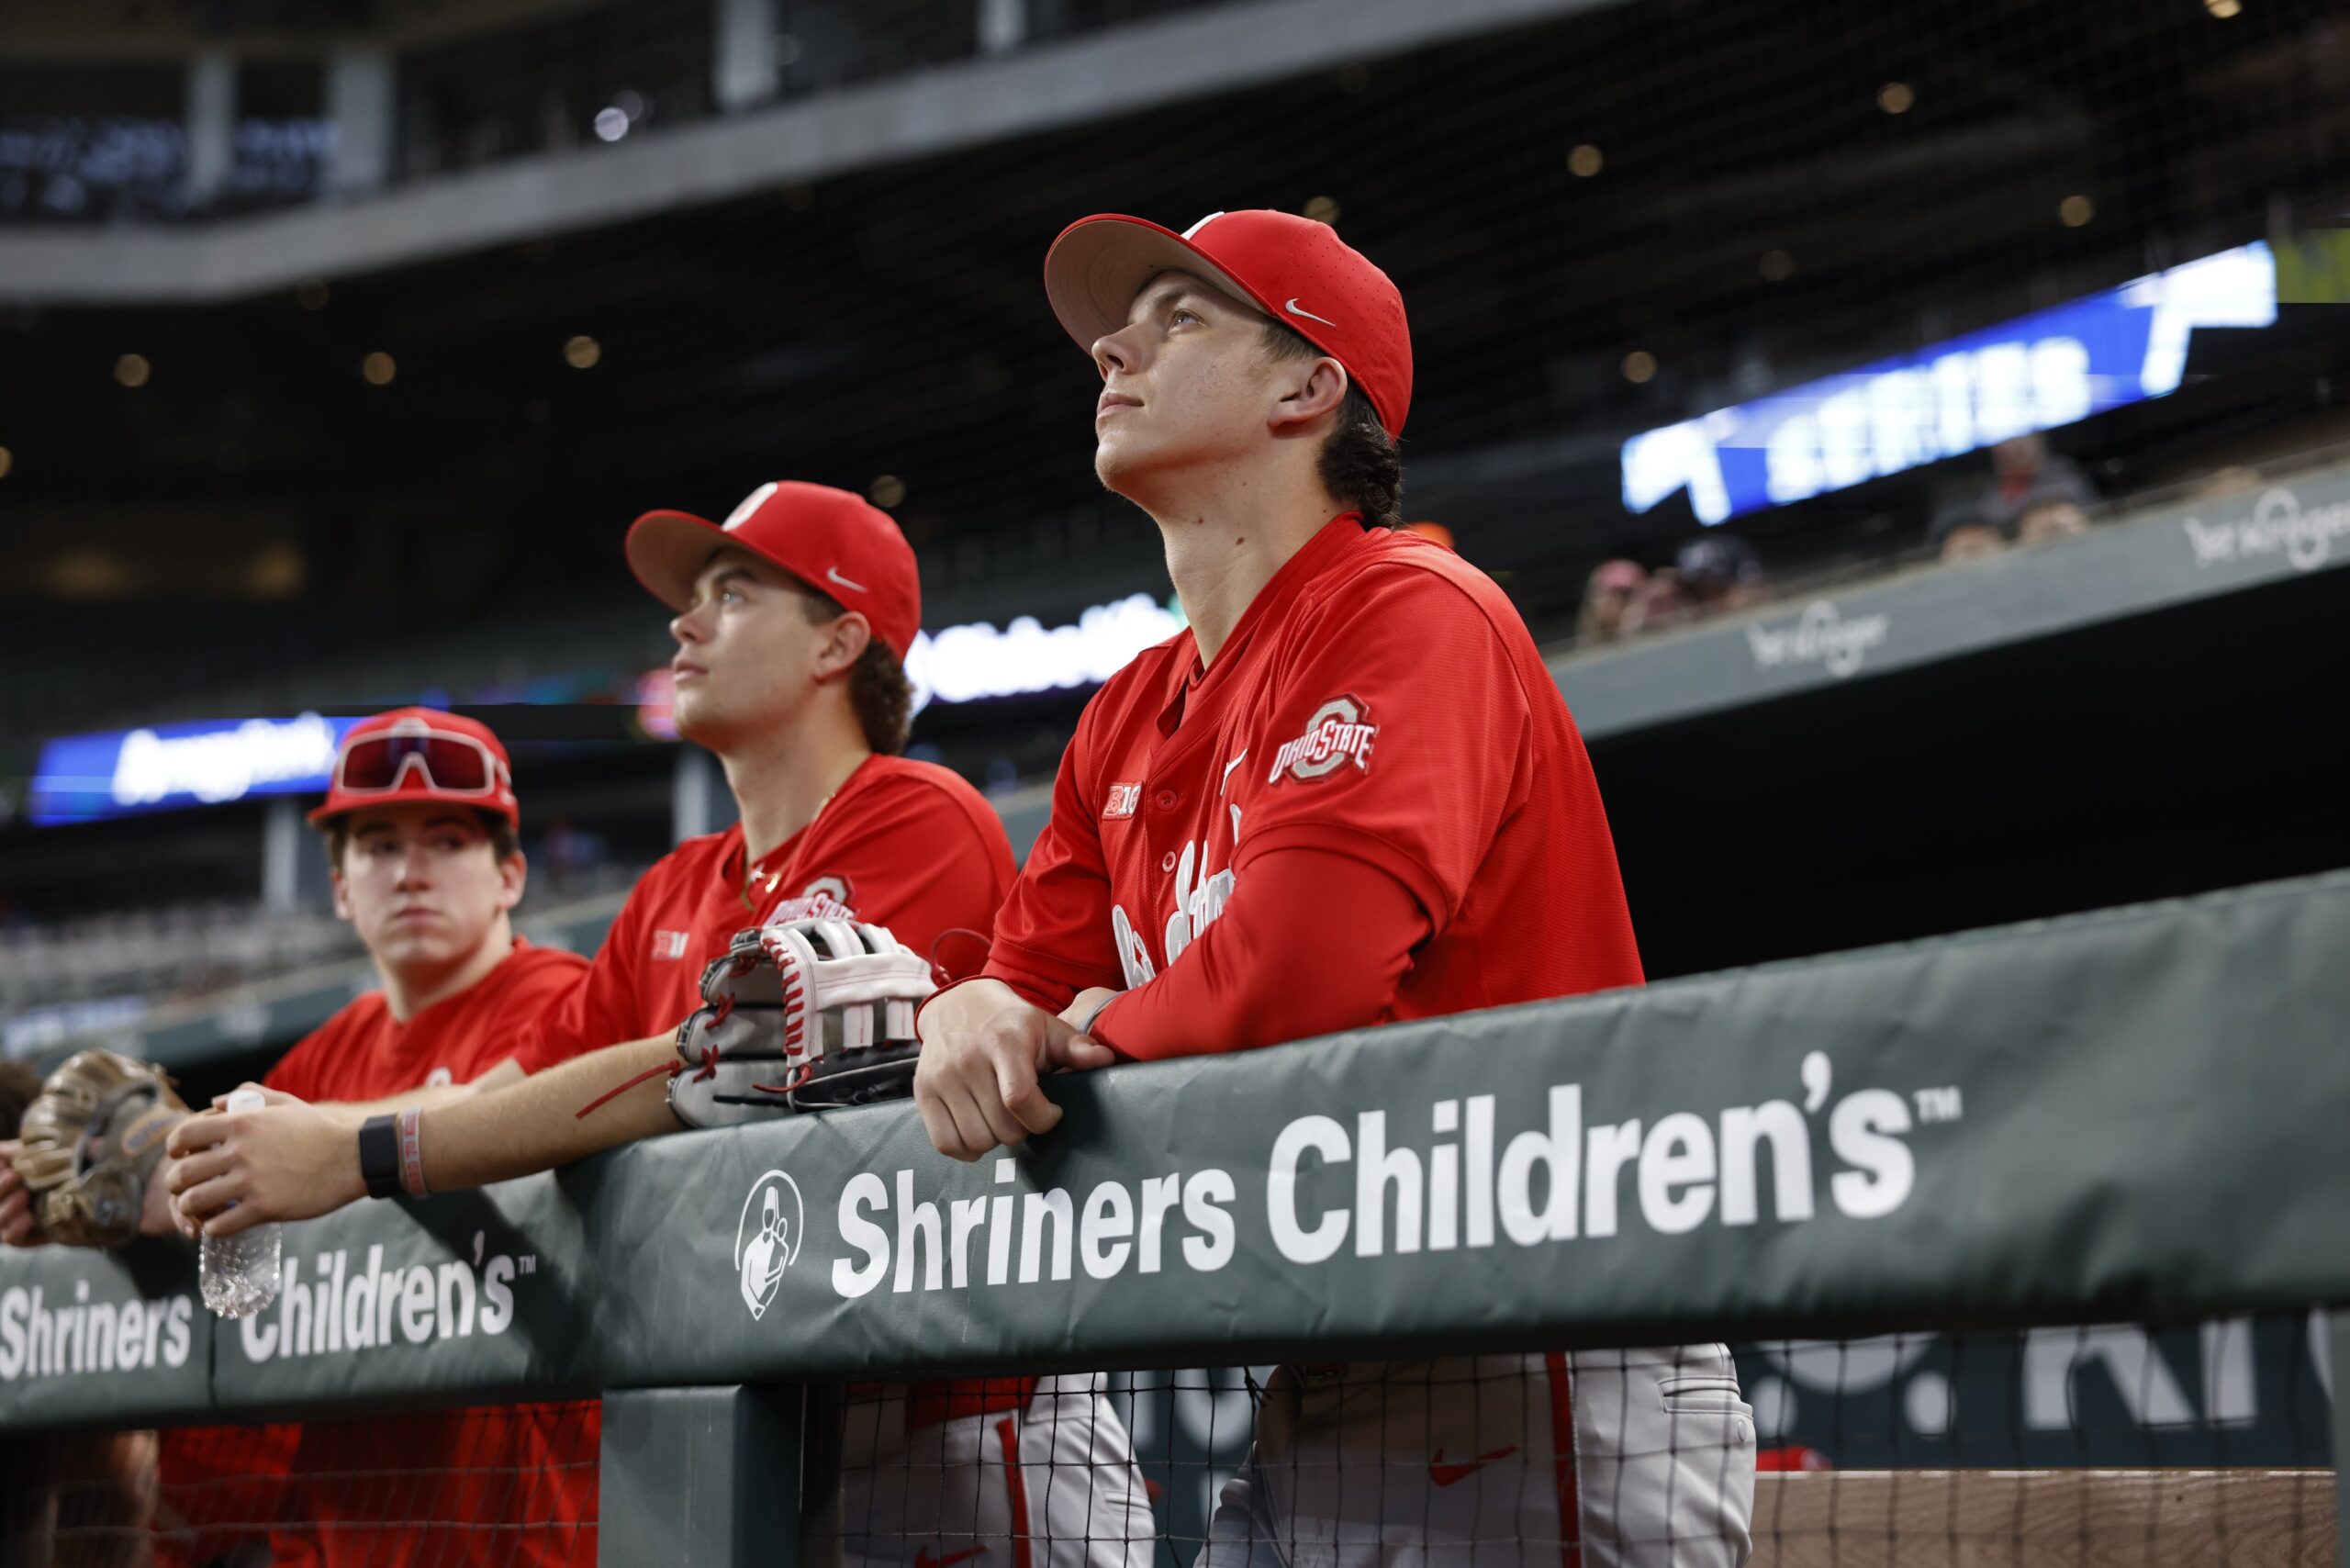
[
  {"x": 420, "y": 754},
  {"x": 1293, "y": 269},
  {"x": 841, "y": 545}
]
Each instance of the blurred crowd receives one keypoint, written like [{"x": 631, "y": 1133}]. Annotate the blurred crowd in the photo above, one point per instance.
[
  {"x": 2031, "y": 496},
  {"x": 179, "y": 952},
  {"x": 163, "y": 953},
  {"x": 1711, "y": 574}
]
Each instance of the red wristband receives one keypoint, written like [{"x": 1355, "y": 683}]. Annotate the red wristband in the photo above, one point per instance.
[{"x": 410, "y": 1126}]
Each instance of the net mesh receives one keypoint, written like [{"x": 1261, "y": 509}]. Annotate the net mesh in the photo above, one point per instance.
[
  {"x": 2201, "y": 1444},
  {"x": 489, "y": 1484},
  {"x": 1605, "y": 220}
]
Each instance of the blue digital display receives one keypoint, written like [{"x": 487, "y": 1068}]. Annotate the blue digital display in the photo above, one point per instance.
[
  {"x": 2035, "y": 373},
  {"x": 90, "y": 777}
]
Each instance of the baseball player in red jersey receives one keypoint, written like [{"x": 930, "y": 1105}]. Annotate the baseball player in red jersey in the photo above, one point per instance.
[
  {"x": 420, "y": 822},
  {"x": 793, "y": 621},
  {"x": 1348, "y": 793}
]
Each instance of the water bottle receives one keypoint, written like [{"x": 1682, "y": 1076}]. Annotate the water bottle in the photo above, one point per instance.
[{"x": 239, "y": 1275}]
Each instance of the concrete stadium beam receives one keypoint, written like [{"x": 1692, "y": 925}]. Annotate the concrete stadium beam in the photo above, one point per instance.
[
  {"x": 120, "y": 32},
  {"x": 1044, "y": 88}
]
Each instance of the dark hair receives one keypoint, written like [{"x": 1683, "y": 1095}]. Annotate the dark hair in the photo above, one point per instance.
[
  {"x": 500, "y": 833},
  {"x": 877, "y": 687},
  {"x": 1361, "y": 466}
]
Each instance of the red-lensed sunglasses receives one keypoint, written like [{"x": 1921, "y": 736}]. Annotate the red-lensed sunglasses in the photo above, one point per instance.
[{"x": 453, "y": 764}]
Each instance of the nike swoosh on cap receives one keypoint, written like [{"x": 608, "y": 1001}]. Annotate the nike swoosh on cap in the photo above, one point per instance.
[
  {"x": 832, "y": 575},
  {"x": 1293, "y": 308}
]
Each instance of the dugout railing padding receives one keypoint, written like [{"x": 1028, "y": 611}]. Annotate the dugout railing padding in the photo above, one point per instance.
[{"x": 2132, "y": 1115}]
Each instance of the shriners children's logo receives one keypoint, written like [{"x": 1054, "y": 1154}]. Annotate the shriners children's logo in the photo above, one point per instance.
[
  {"x": 1335, "y": 734},
  {"x": 767, "y": 1239}
]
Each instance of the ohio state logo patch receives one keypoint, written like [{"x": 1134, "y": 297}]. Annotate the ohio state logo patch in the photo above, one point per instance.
[
  {"x": 1337, "y": 733},
  {"x": 827, "y": 898}
]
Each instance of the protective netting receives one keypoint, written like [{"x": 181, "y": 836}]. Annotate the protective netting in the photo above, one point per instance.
[
  {"x": 2204, "y": 1443},
  {"x": 1605, "y": 219},
  {"x": 491, "y": 1484}
]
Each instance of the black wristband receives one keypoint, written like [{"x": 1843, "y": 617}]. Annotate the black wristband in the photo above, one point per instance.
[{"x": 379, "y": 1156}]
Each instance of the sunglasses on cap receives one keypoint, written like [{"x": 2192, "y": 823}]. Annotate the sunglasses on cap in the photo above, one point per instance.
[{"x": 451, "y": 764}]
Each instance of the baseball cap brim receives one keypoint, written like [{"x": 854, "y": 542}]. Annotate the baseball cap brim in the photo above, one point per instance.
[
  {"x": 667, "y": 550},
  {"x": 1100, "y": 264},
  {"x": 318, "y": 816}
]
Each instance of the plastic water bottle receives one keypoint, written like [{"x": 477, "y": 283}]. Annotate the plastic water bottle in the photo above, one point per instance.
[{"x": 239, "y": 1275}]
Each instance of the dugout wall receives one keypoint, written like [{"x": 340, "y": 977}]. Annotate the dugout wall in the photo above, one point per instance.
[{"x": 2126, "y": 1117}]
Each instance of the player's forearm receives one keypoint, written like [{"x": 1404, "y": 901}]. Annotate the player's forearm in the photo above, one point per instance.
[
  {"x": 498, "y": 1077},
  {"x": 536, "y": 1124},
  {"x": 1276, "y": 965}
]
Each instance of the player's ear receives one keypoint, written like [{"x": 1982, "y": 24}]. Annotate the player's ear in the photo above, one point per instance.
[
  {"x": 846, "y": 640},
  {"x": 341, "y": 890},
  {"x": 1303, "y": 391},
  {"x": 513, "y": 875}
]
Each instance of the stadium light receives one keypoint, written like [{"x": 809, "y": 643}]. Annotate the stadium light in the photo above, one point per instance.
[
  {"x": 93, "y": 776},
  {"x": 974, "y": 662}
]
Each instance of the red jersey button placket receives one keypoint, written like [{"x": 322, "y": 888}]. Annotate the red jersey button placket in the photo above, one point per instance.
[{"x": 1166, "y": 801}]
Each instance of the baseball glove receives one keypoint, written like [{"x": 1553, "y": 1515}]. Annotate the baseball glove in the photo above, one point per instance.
[
  {"x": 802, "y": 1016},
  {"x": 90, "y": 1142}
]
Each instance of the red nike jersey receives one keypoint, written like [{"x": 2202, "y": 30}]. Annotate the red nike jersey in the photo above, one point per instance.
[
  {"x": 507, "y": 1485},
  {"x": 1380, "y": 699},
  {"x": 363, "y": 1053},
  {"x": 905, "y": 844}
]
